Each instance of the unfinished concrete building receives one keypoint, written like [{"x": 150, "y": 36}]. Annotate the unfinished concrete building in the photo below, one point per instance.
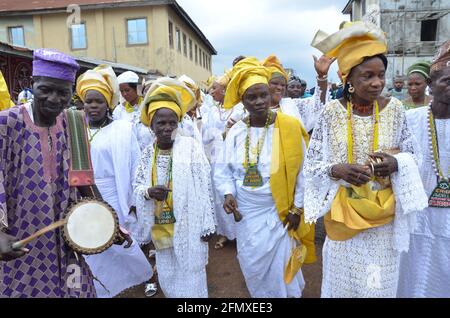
[{"x": 415, "y": 28}]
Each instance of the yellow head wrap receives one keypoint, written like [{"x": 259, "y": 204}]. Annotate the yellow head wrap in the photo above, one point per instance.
[
  {"x": 101, "y": 79},
  {"x": 225, "y": 78},
  {"x": 209, "y": 83},
  {"x": 275, "y": 67},
  {"x": 167, "y": 93},
  {"x": 190, "y": 83},
  {"x": 5, "y": 99},
  {"x": 354, "y": 42},
  {"x": 244, "y": 74}
]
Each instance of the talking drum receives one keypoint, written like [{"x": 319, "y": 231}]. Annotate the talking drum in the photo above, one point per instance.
[{"x": 89, "y": 227}]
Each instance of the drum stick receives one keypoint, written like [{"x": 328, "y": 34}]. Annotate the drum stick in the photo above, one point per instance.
[{"x": 20, "y": 244}]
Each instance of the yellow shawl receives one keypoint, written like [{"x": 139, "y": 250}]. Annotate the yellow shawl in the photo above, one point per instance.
[{"x": 287, "y": 158}]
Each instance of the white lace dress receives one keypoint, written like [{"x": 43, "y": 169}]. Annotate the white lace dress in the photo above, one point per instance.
[
  {"x": 263, "y": 244},
  {"x": 368, "y": 264},
  {"x": 425, "y": 270},
  {"x": 181, "y": 269}
]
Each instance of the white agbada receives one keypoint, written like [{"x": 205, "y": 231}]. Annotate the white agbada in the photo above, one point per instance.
[
  {"x": 181, "y": 269},
  {"x": 263, "y": 243},
  {"x": 115, "y": 153},
  {"x": 143, "y": 134},
  {"x": 425, "y": 270},
  {"x": 367, "y": 265},
  {"x": 215, "y": 122}
]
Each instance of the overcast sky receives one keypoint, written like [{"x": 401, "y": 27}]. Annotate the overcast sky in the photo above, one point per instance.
[{"x": 263, "y": 27}]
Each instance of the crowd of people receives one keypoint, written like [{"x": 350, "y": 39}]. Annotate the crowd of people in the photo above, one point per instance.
[{"x": 253, "y": 158}]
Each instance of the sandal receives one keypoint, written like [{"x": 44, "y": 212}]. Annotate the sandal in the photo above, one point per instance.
[{"x": 221, "y": 242}]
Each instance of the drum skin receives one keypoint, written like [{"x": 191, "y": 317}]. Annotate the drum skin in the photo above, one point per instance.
[{"x": 92, "y": 226}]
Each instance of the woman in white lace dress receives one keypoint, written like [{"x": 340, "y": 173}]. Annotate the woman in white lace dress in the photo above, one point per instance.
[
  {"x": 173, "y": 194},
  {"x": 425, "y": 270},
  {"x": 258, "y": 175},
  {"x": 369, "y": 200}
]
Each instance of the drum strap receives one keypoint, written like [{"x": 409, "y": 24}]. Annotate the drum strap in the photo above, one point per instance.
[{"x": 81, "y": 172}]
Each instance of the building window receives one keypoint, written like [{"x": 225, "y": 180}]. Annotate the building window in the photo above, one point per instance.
[
  {"x": 204, "y": 59},
  {"x": 200, "y": 56},
  {"x": 16, "y": 36},
  {"x": 78, "y": 36},
  {"x": 178, "y": 34},
  {"x": 137, "y": 31},
  {"x": 196, "y": 54},
  {"x": 191, "y": 56},
  {"x": 185, "y": 50},
  {"x": 429, "y": 30},
  {"x": 171, "y": 34},
  {"x": 363, "y": 8}
]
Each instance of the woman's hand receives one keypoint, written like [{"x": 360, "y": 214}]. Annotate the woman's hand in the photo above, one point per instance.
[
  {"x": 159, "y": 193},
  {"x": 386, "y": 167},
  {"x": 293, "y": 221},
  {"x": 322, "y": 65},
  {"x": 356, "y": 175},
  {"x": 230, "y": 205}
]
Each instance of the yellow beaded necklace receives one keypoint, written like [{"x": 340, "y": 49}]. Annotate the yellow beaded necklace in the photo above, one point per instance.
[{"x": 350, "y": 130}]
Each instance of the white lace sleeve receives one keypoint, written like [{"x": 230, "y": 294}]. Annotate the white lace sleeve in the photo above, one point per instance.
[
  {"x": 141, "y": 229},
  {"x": 320, "y": 190},
  {"x": 310, "y": 109},
  {"x": 202, "y": 172}
]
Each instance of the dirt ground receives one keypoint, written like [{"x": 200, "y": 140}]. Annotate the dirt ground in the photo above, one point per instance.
[{"x": 225, "y": 278}]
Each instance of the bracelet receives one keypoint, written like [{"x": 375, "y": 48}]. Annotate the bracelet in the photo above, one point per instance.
[
  {"x": 296, "y": 211},
  {"x": 330, "y": 174},
  {"x": 322, "y": 79}
]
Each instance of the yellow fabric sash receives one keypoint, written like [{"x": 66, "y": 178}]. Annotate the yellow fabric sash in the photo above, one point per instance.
[
  {"x": 287, "y": 158},
  {"x": 162, "y": 234},
  {"x": 357, "y": 209},
  {"x": 5, "y": 99}
]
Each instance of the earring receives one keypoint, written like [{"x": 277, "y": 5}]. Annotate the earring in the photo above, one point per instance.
[{"x": 351, "y": 89}]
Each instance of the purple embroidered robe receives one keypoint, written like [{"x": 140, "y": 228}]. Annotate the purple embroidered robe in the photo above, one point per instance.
[{"x": 34, "y": 192}]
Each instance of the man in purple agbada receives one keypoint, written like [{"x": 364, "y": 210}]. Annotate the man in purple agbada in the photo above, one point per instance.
[{"x": 34, "y": 188}]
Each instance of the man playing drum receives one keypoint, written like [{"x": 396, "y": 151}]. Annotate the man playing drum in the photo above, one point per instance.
[{"x": 34, "y": 188}]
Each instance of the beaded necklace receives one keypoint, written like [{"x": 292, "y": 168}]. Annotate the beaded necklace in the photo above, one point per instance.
[
  {"x": 434, "y": 148},
  {"x": 91, "y": 136},
  {"x": 440, "y": 197},
  {"x": 253, "y": 176},
  {"x": 376, "y": 120}
]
